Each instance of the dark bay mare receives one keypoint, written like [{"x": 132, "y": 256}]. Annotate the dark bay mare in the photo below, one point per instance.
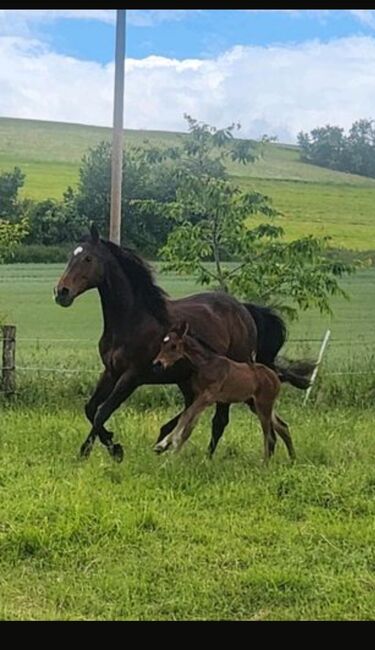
[
  {"x": 219, "y": 379},
  {"x": 137, "y": 314}
]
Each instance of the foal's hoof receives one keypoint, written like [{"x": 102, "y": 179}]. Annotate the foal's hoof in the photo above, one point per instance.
[
  {"x": 161, "y": 447},
  {"x": 117, "y": 453}
]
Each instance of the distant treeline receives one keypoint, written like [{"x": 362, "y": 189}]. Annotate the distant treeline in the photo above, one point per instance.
[{"x": 328, "y": 146}]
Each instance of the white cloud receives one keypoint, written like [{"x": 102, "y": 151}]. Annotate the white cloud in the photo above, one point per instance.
[
  {"x": 149, "y": 17},
  {"x": 365, "y": 16},
  {"x": 22, "y": 21},
  {"x": 276, "y": 90}
]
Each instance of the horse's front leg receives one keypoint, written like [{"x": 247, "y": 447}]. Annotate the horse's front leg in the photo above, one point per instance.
[
  {"x": 102, "y": 391},
  {"x": 124, "y": 387}
]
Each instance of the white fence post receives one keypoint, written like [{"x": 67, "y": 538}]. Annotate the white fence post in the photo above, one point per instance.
[{"x": 315, "y": 371}]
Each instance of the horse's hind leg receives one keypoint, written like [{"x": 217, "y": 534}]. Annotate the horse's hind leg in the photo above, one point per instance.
[
  {"x": 102, "y": 390},
  {"x": 219, "y": 422},
  {"x": 185, "y": 388},
  {"x": 282, "y": 429}
]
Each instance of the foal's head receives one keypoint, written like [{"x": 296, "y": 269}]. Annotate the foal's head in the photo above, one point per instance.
[
  {"x": 85, "y": 269},
  {"x": 172, "y": 347}
]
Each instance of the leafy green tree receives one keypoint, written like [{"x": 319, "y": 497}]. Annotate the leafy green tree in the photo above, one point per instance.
[
  {"x": 328, "y": 146},
  {"x": 54, "y": 222},
  {"x": 361, "y": 148},
  {"x": 294, "y": 275},
  {"x": 11, "y": 234},
  {"x": 153, "y": 174},
  {"x": 10, "y": 204},
  {"x": 325, "y": 146}
]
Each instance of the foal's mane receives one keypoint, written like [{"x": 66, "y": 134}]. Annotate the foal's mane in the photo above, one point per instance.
[
  {"x": 198, "y": 339},
  {"x": 141, "y": 278}
]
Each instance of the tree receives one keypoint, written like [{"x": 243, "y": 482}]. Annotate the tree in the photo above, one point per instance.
[
  {"x": 54, "y": 222},
  {"x": 148, "y": 185},
  {"x": 267, "y": 269},
  {"x": 324, "y": 146},
  {"x": 361, "y": 148},
  {"x": 11, "y": 234},
  {"x": 152, "y": 176},
  {"x": 10, "y": 184},
  {"x": 328, "y": 146}
]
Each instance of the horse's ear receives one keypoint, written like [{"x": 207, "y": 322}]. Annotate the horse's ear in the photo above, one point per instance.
[
  {"x": 183, "y": 328},
  {"x": 94, "y": 232}
]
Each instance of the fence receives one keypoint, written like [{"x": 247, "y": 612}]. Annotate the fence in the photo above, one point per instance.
[{"x": 9, "y": 368}]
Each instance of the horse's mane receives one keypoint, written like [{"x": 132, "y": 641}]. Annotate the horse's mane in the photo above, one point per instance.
[{"x": 140, "y": 276}]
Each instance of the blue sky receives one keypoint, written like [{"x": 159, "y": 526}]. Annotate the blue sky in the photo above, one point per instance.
[
  {"x": 200, "y": 33},
  {"x": 275, "y": 71}
]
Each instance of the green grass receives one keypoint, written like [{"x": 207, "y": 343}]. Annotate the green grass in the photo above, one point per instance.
[
  {"x": 343, "y": 212},
  {"x": 182, "y": 538},
  {"x": 312, "y": 199},
  {"x": 179, "y": 538},
  {"x": 50, "y": 152},
  {"x": 26, "y": 299}
]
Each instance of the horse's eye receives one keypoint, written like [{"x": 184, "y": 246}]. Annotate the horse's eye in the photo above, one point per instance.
[
  {"x": 88, "y": 258},
  {"x": 173, "y": 346}
]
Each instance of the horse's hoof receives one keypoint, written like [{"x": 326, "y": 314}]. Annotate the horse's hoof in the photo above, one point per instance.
[
  {"x": 85, "y": 451},
  {"x": 117, "y": 453}
]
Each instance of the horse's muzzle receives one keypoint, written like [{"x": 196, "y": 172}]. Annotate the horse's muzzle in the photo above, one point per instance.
[
  {"x": 157, "y": 368},
  {"x": 63, "y": 296}
]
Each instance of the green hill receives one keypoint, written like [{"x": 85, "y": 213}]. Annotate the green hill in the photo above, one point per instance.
[{"x": 312, "y": 199}]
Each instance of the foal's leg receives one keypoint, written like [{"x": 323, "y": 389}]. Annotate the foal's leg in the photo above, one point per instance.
[
  {"x": 185, "y": 425},
  {"x": 188, "y": 421},
  {"x": 272, "y": 439},
  {"x": 188, "y": 394},
  {"x": 264, "y": 413},
  {"x": 219, "y": 422},
  {"x": 282, "y": 429}
]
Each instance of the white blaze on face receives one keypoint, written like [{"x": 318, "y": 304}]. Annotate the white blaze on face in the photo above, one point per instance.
[
  {"x": 166, "y": 339},
  {"x": 78, "y": 250}
]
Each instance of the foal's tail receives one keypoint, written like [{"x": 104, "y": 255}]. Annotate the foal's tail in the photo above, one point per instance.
[{"x": 272, "y": 334}]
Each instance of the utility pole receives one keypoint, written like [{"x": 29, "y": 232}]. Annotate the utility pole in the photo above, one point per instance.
[{"x": 117, "y": 138}]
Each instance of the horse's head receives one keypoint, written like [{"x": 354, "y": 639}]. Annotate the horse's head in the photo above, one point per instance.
[
  {"x": 85, "y": 269},
  {"x": 172, "y": 347}
]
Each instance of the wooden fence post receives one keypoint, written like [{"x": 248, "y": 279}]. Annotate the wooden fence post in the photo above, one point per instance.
[{"x": 9, "y": 359}]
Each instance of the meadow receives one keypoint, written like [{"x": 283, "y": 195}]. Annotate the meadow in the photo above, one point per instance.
[
  {"x": 311, "y": 199},
  {"x": 181, "y": 537},
  {"x": 185, "y": 538},
  {"x": 48, "y": 334}
]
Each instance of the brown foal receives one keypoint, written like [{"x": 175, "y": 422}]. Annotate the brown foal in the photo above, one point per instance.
[{"x": 219, "y": 379}]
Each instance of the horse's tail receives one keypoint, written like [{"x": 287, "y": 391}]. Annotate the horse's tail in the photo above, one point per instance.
[
  {"x": 271, "y": 331},
  {"x": 297, "y": 373},
  {"x": 272, "y": 334}
]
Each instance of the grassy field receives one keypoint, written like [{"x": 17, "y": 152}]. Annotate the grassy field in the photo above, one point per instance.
[
  {"x": 182, "y": 538},
  {"x": 26, "y": 299},
  {"x": 311, "y": 199},
  {"x": 179, "y": 538}
]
